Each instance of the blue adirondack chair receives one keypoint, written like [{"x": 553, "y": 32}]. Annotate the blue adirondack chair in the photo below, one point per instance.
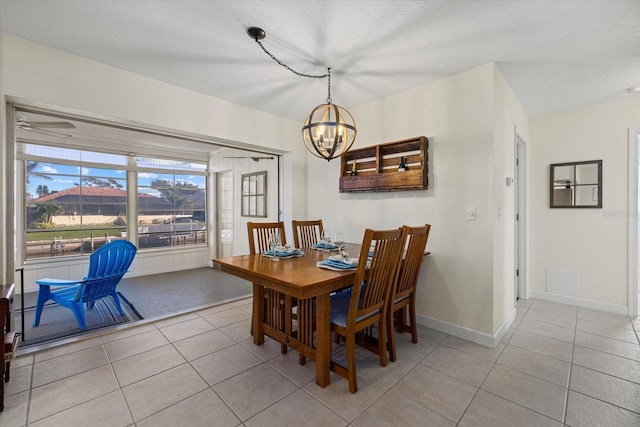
[{"x": 107, "y": 265}]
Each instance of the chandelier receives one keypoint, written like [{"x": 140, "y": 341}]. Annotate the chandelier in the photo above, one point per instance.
[{"x": 330, "y": 130}]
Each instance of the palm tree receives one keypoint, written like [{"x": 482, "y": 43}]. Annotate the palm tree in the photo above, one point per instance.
[
  {"x": 49, "y": 210},
  {"x": 31, "y": 171}
]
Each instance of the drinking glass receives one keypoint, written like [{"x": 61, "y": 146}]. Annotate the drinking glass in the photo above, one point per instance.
[
  {"x": 338, "y": 240},
  {"x": 274, "y": 242}
]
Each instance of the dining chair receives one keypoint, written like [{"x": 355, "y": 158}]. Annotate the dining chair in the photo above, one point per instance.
[
  {"x": 107, "y": 265},
  {"x": 278, "y": 306},
  {"x": 366, "y": 305},
  {"x": 306, "y": 233},
  {"x": 403, "y": 294}
]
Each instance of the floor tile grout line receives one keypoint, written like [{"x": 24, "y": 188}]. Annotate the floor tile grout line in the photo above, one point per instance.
[
  {"x": 605, "y": 351},
  {"x": 635, "y": 329},
  {"x": 30, "y": 394},
  {"x": 566, "y": 395},
  {"x": 500, "y": 397},
  {"x": 606, "y": 402},
  {"x": 186, "y": 362},
  {"x": 324, "y": 405},
  {"x": 272, "y": 404},
  {"x": 115, "y": 375},
  {"x": 31, "y": 388},
  {"x": 209, "y": 386},
  {"x": 427, "y": 407},
  {"x": 387, "y": 388}
]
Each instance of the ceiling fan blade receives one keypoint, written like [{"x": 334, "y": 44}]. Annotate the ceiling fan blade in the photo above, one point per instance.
[{"x": 52, "y": 125}]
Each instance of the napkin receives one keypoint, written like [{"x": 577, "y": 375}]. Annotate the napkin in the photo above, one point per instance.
[
  {"x": 344, "y": 260},
  {"x": 323, "y": 245},
  {"x": 284, "y": 252},
  {"x": 336, "y": 265}
]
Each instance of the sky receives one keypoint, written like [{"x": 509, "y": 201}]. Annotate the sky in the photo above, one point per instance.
[{"x": 58, "y": 177}]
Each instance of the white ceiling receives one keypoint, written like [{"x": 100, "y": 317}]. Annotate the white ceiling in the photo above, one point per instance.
[{"x": 555, "y": 54}]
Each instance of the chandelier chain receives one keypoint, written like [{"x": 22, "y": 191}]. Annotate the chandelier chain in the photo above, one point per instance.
[
  {"x": 329, "y": 86},
  {"x": 311, "y": 76}
]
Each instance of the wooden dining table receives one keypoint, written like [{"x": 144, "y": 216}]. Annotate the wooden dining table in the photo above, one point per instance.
[{"x": 310, "y": 285}]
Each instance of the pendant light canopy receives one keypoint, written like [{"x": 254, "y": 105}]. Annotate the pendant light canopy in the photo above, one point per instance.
[{"x": 330, "y": 130}]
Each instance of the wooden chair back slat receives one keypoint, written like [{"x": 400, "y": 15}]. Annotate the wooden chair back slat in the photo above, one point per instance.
[
  {"x": 410, "y": 267},
  {"x": 380, "y": 271},
  {"x": 403, "y": 294},
  {"x": 386, "y": 246},
  {"x": 306, "y": 233},
  {"x": 260, "y": 233}
]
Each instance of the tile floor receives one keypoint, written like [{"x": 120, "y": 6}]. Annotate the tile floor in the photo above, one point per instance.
[{"x": 558, "y": 365}]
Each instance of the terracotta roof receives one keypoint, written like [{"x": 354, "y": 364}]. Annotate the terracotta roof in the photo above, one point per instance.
[{"x": 84, "y": 191}]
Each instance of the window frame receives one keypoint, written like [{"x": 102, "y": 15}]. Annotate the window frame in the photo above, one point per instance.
[
  {"x": 130, "y": 176},
  {"x": 253, "y": 199}
]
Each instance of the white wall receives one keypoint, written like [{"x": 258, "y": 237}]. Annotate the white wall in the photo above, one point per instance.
[
  {"x": 29, "y": 71},
  {"x": 239, "y": 167},
  {"x": 508, "y": 114},
  {"x": 457, "y": 115},
  {"x": 591, "y": 242}
]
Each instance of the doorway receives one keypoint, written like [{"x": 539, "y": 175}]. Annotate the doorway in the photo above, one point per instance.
[
  {"x": 224, "y": 213},
  {"x": 520, "y": 200}
]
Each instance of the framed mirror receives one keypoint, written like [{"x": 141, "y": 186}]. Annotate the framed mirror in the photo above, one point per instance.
[{"x": 576, "y": 184}]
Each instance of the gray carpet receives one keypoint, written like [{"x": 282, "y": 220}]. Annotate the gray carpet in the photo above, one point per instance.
[
  {"x": 156, "y": 296},
  {"x": 57, "y": 322},
  {"x": 169, "y": 293}
]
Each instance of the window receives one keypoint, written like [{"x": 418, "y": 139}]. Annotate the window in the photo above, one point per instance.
[
  {"x": 171, "y": 206},
  {"x": 76, "y": 200},
  {"x": 254, "y": 197}
]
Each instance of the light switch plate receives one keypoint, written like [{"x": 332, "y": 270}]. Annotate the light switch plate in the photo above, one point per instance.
[{"x": 470, "y": 214}]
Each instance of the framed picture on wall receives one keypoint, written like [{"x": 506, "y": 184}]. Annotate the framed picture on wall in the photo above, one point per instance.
[{"x": 254, "y": 195}]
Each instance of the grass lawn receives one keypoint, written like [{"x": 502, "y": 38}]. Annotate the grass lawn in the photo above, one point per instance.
[{"x": 73, "y": 233}]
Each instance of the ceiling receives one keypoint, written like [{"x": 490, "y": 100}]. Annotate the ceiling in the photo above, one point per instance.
[
  {"x": 79, "y": 133},
  {"x": 555, "y": 55}
]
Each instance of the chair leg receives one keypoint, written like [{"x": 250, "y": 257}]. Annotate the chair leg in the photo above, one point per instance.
[
  {"x": 392, "y": 337},
  {"x": 43, "y": 296},
  {"x": 78, "y": 312},
  {"x": 412, "y": 319},
  {"x": 116, "y": 300},
  {"x": 382, "y": 341},
  {"x": 351, "y": 363},
  {"x": 287, "y": 320}
]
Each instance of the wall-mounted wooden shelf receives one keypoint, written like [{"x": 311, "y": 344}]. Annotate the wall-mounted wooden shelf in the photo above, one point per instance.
[{"x": 376, "y": 168}]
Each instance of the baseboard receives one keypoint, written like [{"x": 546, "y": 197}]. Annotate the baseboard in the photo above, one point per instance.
[
  {"x": 504, "y": 327},
  {"x": 468, "y": 334},
  {"x": 580, "y": 302}
]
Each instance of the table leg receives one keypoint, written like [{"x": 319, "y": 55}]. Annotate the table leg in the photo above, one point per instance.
[
  {"x": 323, "y": 339},
  {"x": 258, "y": 314}
]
